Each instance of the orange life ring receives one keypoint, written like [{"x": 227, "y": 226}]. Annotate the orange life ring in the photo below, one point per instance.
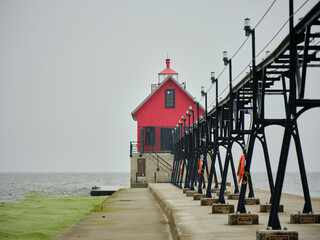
[
  {"x": 200, "y": 165},
  {"x": 242, "y": 163},
  {"x": 180, "y": 169}
]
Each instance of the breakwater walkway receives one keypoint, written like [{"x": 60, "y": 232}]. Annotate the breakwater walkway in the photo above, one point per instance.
[
  {"x": 139, "y": 217},
  {"x": 128, "y": 214}
]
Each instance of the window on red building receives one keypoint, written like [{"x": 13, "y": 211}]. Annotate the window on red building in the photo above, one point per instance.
[
  {"x": 150, "y": 136},
  {"x": 170, "y": 98}
]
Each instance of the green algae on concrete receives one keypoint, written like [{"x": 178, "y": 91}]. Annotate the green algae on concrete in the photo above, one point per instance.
[{"x": 43, "y": 216}]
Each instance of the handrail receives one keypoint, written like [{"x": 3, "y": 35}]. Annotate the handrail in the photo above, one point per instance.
[
  {"x": 158, "y": 156},
  {"x": 136, "y": 145}
]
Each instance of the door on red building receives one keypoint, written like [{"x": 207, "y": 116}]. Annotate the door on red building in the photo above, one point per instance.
[
  {"x": 166, "y": 139},
  {"x": 150, "y": 138}
]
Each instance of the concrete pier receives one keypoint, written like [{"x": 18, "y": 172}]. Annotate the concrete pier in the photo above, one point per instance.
[
  {"x": 127, "y": 214},
  {"x": 189, "y": 220},
  {"x": 135, "y": 214}
]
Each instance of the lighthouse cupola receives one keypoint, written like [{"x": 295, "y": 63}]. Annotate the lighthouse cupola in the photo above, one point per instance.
[{"x": 168, "y": 72}]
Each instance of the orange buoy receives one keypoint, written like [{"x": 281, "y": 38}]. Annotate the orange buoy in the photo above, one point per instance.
[
  {"x": 242, "y": 163},
  {"x": 200, "y": 165},
  {"x": 180, "y": 169},
  {"x": 171, "y": 169}
]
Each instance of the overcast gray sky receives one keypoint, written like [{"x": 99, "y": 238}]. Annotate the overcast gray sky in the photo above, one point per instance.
[{"x": 72, "y": 71}]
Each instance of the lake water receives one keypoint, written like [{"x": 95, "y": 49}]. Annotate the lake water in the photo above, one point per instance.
[
  {"x": 292, "y": 182},
  {"x": 14, "y": 186}
]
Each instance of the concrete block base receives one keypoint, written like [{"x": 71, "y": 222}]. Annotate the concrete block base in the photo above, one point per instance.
[
  {"x": 198, "y": 196},
  {"x": 304, "y": 218},
  {"x": 185, "y": 190},
  {"x": 252, "y": 201},
  {"x": 222, "y": 208},
  {"x": 226, "y": 193},
  {"x": 190, "y": 193},
  {"x": 234, "y": 196},
  {"x": 243, "y": 219},
  {"x": 208, "y": 201},
  {"x": 267, "y": 208},
  {"x": 276, "y": 235},
  {"x": 214, "y": 190}
]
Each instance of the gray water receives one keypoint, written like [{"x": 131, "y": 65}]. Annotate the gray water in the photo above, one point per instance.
[
  {"x": 292, "y": 183},
  {"x": 14, "y": 186}
]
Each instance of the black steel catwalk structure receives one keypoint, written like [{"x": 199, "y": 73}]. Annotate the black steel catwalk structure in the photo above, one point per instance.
[{"x": 283, "y": 73}]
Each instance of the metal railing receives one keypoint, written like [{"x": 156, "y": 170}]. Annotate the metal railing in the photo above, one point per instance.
[{"x": 135, "y": 146}]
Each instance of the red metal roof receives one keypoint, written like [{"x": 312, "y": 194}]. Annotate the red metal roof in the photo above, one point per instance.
[{"x": 168, "y": 70}]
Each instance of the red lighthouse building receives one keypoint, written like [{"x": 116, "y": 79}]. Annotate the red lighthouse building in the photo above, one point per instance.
[{"x": 158, "y": 115}]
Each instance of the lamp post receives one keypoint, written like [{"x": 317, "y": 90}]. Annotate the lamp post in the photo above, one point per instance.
[
  {"x": 192, "y": 145},
  {"x": 204, "y": 94},
  {"x": 214, "y": 80},
  {"x": 216, "y": 131},
  {"x": 183, "y": 147},
  {"x": 187, "y": 152},
  {"x": 206, "y": 139},
  {"x": 196, "y": 104},
  {"x": 184, "y": 125},
  {"x": 178, "y": 156},
  {"x": 212, "y": 171},
  {"x": 226, "y": 62},
  {"x": 230, "y": 130},
  {"x": 191, "y": 111},
  {"x": 188, "y": 115},
  {"x": 248, "y": 32},
  {"x": 197, "y": 134}
]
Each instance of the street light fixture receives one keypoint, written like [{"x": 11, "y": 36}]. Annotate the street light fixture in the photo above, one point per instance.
[
  {"x": 247, "y": 27},
  {"x": 267, "y": 53},
  {"x": 213, "y": 77},
  {"x": 202, "y": 91},
  {"x": 225, "y": 58}
]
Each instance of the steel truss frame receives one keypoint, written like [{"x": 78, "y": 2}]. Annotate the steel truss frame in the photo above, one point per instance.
[{"x": 225, "y": 124}]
